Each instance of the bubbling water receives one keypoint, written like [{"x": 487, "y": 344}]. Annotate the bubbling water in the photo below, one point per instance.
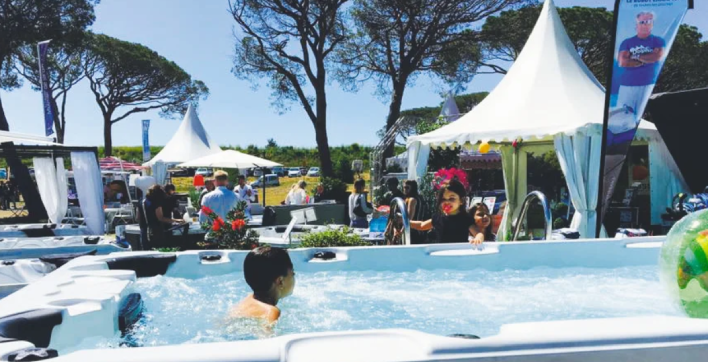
[{"x": 440, "y": 302}]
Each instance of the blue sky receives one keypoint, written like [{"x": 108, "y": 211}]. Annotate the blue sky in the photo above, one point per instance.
[{"x": 197, "y": 35}]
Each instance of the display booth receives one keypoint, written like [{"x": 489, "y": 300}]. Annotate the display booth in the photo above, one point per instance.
[{"x": 549, "y": 100}]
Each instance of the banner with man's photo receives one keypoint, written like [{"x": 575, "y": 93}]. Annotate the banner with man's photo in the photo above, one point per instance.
[{"x": 644, "y": 33}]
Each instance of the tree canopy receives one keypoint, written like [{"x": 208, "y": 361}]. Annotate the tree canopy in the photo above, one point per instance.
[
  {"x": 133, "y": 78},
  {"x": 590, "y": 30},
  {"x": 65, "y": 67},
  {"x": 289, "y": 43},
  {"x": 398, "y": 40},
  {"x": 26, "y": 22}
]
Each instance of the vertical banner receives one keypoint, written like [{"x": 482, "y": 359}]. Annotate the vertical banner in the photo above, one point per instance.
[
  {"x": 644, "y": 33},
  {"x": 146, "y": 141},
  {"x": 49, "y": 115}
]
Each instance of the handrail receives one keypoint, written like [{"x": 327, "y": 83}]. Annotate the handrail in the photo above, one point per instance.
[
  {"x": 401, "y": 205},
  {"x": 525, "y": 207}
]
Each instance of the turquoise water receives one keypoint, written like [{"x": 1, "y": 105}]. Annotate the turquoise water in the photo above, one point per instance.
[{"x": 438, "y": 302}]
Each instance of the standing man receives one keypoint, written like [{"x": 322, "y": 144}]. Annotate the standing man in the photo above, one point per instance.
[
  {"x": 245, "y": 193},
  {"x": 393, "y": 191},
  {"x": 639, "y": 57},
  {"x": 221, "y": 200},
  {"x": 208, "y": 187}
]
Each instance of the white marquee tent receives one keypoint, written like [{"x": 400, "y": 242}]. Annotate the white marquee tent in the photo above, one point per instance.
[
  {"x": 549, "y": 99},
  {"x": 190, "y": 142}
]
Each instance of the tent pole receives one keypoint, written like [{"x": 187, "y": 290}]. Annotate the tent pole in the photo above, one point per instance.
[{"x": 264, "y": 185}]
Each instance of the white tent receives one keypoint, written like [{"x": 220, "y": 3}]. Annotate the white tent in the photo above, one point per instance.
[
  {"x": 548, "y": 99},
  {"x": 230, "y": 159},
  {"x": 190, "y": 141}
]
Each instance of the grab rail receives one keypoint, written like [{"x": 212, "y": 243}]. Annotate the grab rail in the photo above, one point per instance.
[
  {"x": 516, "y": 226},
  {"x": 398, "y": 203}
]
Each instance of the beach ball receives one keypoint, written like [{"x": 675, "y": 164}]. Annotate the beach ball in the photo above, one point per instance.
[
  {"x": 484, "y": 147},
  {"x": 684, "y": 264}
]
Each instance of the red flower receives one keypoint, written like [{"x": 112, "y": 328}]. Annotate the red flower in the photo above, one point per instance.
[
  {"x": 218, "y": 223},
  {"x": 237, "y": 224},
  {"x": 207, "y": 210}
]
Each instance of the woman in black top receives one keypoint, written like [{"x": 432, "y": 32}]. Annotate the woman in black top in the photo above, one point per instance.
[
  {"x": 451, "y": 222},
  {"x": 156, "y": 220}
]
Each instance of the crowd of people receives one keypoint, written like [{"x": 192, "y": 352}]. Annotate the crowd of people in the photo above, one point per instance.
[{"x": 451, "y": 220}]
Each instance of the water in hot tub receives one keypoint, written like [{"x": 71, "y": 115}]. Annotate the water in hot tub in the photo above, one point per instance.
[{"x": 441, "y": 302}]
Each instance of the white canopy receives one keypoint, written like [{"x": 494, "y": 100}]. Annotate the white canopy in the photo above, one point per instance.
[
  {"x": 550, "y": 98},
  {"x": 21, "y": 138},
  {"x": 547, "y": 91},
  {"x": 229, "y": 159},
  {"x": 189, "y": 142}
]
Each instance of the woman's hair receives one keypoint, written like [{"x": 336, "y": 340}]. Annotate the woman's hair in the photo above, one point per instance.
[
  {"x": 302, "y": 184},
  {"x": 412, "y": 188},
  {"x": 156, "y": 193},
  {"x": 452, "y": 186},
  {"x": 488, "y": 235},
  {"x": 359, "y": 186}
]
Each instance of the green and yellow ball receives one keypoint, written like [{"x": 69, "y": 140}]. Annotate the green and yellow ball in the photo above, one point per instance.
[{"x": 684, "y": 263}]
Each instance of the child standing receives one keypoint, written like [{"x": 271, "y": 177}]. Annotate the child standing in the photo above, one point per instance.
[{"x": 451, "y": 221}]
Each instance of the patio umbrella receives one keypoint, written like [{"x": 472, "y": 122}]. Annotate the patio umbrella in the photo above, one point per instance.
[{"x": 231, "y": 159}]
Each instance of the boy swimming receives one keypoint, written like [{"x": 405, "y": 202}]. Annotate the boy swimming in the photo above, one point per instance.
[{"x": 269, "y": 272}]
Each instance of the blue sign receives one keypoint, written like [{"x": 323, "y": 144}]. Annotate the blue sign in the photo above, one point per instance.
[
  {"x": 644, "y": 33},
  {"x": 49, "y": 115},
  {"x": 146, "y": 142}
]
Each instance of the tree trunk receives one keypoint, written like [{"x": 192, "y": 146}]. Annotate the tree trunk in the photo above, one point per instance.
[
  {"x": 30, "y": 194},
  {"x": 107, "y": 140},
  {"x": 326, "y": 169},
  {"x": 394, "y": 112},
  {"x": 58, "y": 121}
]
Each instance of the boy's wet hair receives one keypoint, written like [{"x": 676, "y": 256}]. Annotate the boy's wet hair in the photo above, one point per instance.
[{"x": 264, "y": 265}]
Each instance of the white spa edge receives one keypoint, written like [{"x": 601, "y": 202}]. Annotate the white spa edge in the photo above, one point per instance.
[{"x": 88, "y": 295}]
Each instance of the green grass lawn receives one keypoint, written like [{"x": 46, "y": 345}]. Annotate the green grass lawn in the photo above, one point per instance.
[{"x": 274, "y": 195}]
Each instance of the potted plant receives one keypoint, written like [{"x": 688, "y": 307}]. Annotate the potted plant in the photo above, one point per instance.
[{"x": 231, "y": 233}]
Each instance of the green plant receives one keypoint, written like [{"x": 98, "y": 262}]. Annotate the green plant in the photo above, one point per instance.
[
  {"x": 334, "y": 189},
  {"x": 426, "y": 189},
  {"x": 559, "y": 223},
  {"x": 167, "y": 250},
  {"x": 343, "y": 170},
  {"x": 331, "y": 238},
  {"x": 194, "y": 196},
  {"x": 231, "y": 233}
]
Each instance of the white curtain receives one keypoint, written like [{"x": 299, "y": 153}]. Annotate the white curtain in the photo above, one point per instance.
[
  {"x": 418, "y": 155},
  {"x": 159, "y": 171},
  {"x": 514, "y": 170},
  {"x": 62, "y": 188},
  {"x": 89, "y": 187},
  {"x": 46, "y": 175},
  {"x": 665, "y": 179},
  {"x": 579, "y": 158}
]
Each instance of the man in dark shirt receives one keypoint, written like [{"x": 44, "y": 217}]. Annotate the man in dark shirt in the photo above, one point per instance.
[
  {"x": 170, "y": 206},
  {"x": 393, "y": 191}
]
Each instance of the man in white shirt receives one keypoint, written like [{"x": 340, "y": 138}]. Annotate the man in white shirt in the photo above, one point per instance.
[
  {"x": 245, "y": 193},
  {"x": 221, "y": 200}
]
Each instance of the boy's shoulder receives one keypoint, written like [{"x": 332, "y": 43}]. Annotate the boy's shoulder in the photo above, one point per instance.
[{"x": 252, "y": 308}]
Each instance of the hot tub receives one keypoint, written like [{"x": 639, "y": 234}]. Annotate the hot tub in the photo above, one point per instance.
[
  {"x": 25, "y": 248},
  {"x": 38, "y": 230},
  {"x": 585, "y": 300}
]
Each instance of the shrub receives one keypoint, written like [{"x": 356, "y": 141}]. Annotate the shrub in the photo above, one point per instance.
[
  {"x": 334, "y": 189},
  {"x": 343, "y": 170},
  {"x": 331, "y": 238},
  {"x": 194, "y": 196},
  {"x": 559, "y": 223}
]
